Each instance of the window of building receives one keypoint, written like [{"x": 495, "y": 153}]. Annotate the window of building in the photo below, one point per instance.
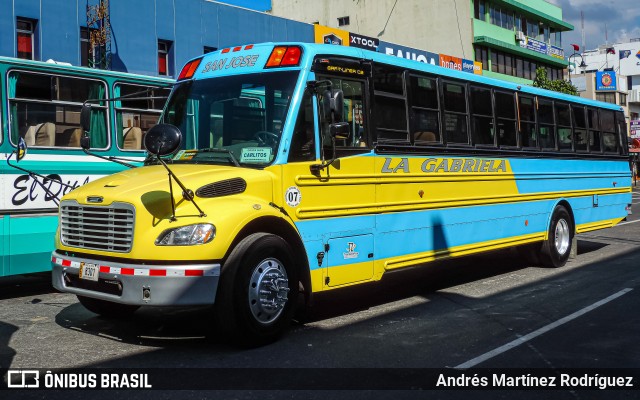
[
  {"x": 90, "y": 57},
  {"x": 25, "y": 47},
  {"x": 606, "y": 97},
  {"x": 623, "y": 99},
  {"x": 342, "y": 21},
  {"x": 164, "y": 48},
  {"x": 208, "y": 49}
]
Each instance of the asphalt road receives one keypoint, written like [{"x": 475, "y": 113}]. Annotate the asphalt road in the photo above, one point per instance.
[{"x": 489, "y": 311}]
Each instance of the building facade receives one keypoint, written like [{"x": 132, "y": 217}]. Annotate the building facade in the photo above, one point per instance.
[
  {"x": 611, "y": 73},
  {"x": 510, "y": 38},
  {"x": 151, "y": 37}
]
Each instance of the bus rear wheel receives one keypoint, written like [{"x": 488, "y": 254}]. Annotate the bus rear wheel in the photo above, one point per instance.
[
  {"x": 107, "y": 308},
  {"x": 257, "y": 291},
  {"x": 557, "y": 248}
]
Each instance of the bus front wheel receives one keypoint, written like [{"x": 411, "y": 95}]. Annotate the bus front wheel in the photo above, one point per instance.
[
  {"x": 107, "y": 308},
  {"x": 557, "y": 248},
  {"x": 257, "y": 291}
]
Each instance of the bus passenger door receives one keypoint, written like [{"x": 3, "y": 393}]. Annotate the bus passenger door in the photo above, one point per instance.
[
  {"x": 333, "y": 205},
  {"x": 349, "y": 260}
]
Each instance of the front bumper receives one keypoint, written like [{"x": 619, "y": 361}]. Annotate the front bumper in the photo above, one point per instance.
[{"x": 137, "y": 284}]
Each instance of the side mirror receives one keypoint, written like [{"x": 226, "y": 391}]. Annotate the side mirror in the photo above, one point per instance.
[
  {"x": 85, "y": 142},
  {"x": 340, "y": 130},
  {"x": 162, "y": 139},
  {"x": 22, "y": 149},
  {"x": 333, "y": 102},
  {"x": 85, "y": 117}
]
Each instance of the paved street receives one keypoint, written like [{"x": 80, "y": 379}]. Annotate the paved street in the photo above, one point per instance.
[{"x": 460, "y": 313}]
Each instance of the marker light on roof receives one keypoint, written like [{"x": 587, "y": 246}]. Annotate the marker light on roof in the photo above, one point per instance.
[
  {"x": 282, "y": 56},
  {"x": 189, "y": 69}
]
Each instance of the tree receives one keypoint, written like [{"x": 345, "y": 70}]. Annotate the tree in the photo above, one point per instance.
[{"x": 560, "y": 85}]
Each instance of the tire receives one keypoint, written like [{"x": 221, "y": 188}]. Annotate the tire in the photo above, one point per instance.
[
  {"x": 557, "y": 248},
  {"x": 107, "y": 308},
  {"x": 257, "y": 291}
]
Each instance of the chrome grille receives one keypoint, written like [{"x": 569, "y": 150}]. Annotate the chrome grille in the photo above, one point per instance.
[{"x": 107, "y": 228}]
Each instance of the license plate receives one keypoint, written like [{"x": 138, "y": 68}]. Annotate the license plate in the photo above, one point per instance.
[{"x": 89, "y": 271}]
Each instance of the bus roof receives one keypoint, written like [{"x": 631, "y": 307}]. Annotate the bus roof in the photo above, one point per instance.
[
  {"x": 310, "y": 50},
  {"x": 62, "y": 68}
]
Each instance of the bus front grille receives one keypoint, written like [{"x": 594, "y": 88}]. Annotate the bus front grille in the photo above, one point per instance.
[{"x": 106, "y": 228}]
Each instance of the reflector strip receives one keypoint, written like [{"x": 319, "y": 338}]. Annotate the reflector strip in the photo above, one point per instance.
[{"x": 106, "y": 269}]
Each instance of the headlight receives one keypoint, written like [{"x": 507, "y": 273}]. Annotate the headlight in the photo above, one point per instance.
[{"x": 187, "y": 235}]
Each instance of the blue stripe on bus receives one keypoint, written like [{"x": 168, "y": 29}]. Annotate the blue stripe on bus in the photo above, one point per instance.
[
  {"x": 549, "y": 175},
  {"x": 421, "y": 231}
]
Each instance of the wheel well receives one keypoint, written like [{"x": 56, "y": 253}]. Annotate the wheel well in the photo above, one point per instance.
[
  {"x": 566, "y": 205},
  {"x": 276, "y": 226}
]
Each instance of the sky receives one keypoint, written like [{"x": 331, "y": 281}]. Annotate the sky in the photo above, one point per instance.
[{"x": 622, "y": 19}]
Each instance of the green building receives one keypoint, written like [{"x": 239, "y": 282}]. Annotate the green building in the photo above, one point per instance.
[{"x": 513, "y": 38}]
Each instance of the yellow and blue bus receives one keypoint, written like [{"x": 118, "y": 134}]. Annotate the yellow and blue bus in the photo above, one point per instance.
[
  {"x": 282, "y": 171},
  {"x": 41, "y": 103}
]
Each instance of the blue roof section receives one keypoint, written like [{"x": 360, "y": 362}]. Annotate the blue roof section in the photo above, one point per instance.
[{"x": 310, "y": 50}]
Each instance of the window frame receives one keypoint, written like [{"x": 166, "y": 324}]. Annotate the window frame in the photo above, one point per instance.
[{"x": 61, "y": 103}]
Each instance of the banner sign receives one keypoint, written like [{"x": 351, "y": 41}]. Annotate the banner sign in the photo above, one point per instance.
[
  {"x": 409, "y": 53},
  {"x": 451, "y": 62},
  {"x": 326, "y": 35},
  {"x": 606, "y": 80},
  {"x": 363, "y": 42},
  {"x": 542, "y": 47},
  {"x": 635, "y": 129}
]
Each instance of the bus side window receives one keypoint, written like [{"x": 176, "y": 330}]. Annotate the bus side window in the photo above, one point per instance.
[
  {"x": 505, "y": 118},
  {"x": 563, "y": 121},
  {"x": 547, "y": 139},
  {"x": 303, "y": 140},
  {"x": 45, "y": 109}
]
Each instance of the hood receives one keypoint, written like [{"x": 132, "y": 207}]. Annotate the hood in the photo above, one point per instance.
[{"x": 150, "y": 184}]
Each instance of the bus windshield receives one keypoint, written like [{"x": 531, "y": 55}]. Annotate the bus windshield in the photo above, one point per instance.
[{"x": 235, "y": 120}]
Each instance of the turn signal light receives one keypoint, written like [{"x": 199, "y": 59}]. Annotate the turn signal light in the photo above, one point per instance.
[
  {"x": 189, "y": 69},
  {"x": 283, "y": 56}
]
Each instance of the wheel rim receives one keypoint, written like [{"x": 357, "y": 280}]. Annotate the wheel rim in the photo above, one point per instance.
[
  {"x": 268, "y": 291},
  {"x": 562, "y": 236}
]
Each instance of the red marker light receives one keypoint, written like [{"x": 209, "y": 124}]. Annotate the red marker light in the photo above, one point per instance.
[
  {"x": 189, "y": 69},
  {"x": 284, "y": 57},
  {"x": 224, "y": 51},
  {"x": 238, "y": 48},
  {"x": 248, "y": 47},
  {"x": 291, "y": 57}
]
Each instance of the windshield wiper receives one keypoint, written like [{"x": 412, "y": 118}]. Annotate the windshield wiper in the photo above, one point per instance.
[{"x": 226, "y": 152}]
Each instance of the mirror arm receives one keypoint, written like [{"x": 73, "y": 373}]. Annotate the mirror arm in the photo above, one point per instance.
[
  {"x": 316, "y": 168},
  {"x": 109, "y": 158}
]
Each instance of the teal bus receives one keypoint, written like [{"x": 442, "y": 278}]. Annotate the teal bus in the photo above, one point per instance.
[{"x": 41, "y": 104}]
